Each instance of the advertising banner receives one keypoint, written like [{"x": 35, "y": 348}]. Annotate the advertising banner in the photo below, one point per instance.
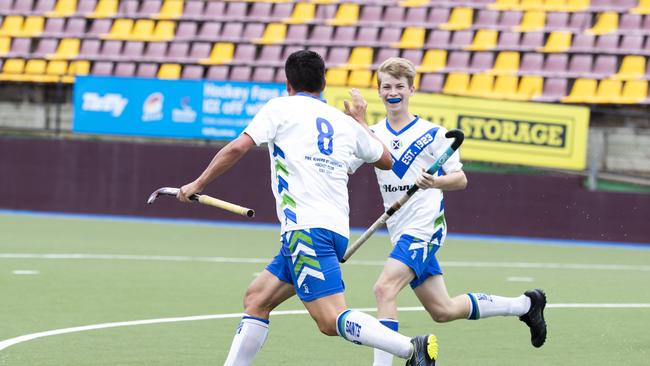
[
  {"x": 535, "y": 134},
  {"x": 168, "y": 108}
]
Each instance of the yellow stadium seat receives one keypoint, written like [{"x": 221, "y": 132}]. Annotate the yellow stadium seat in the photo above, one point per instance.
[
  {"x": 63, "y": 8},
  {"x": 170, "y": 9},
  {"x": 460, "y": 18},
  {"x": 274, "y": 33},
  {"x": 336, "y": 77},
  {"x": 164, "y": 31},
  {"x": 532, "y": 21},
  {"x": 312, "y": 1},
  {"x": 504, "y": 5},
  {"x": 360, "y": 78},
  {"x": 302, "y": 13},
  {"x": 577, "y": 5},
  {"x": 104, "y": 9},
  {"x": 76, "y": 68},
  {"x": 583, "y": 90},
  {"x": 56, "y": 70},
  {"x": 555, "y": 5},
  {"x": 68, "y": 48},
  {"x": 360, "y": 58},
  {"x": 121, "y": 29},
  {"x": 13, "y": 69},
  {"x": 480, "y": 85},
  {"x": 12, "y": 26},
  {"x": 5, "y": 45},
  {"x": 413, "y": 3},
  {"x": 456, "y": 83},
  {"x": 558, "y": 41},
  {"x": 507, "y": 63},
  {"x": 632, "y": 67},
  {"x": 33, "y": 26},
  {"x": 634, "y": 91},
  {"x": 433, "y": 60},
  {"x": 642, "y": 8},
  {"x": 346, "y": 14},
  {"x": 484, "y": 40},
  {"x": 412, "y": 37},
  {"x": 607, "y": 23},
  {"x": 529, "y": 87},
  {"x": 505, "y": 87},
  {"x": 222, "y": 53},
  {"x": 142, "y": 30},
  {"x": 169, "y": 71},
  {"x": 35, "y": 71},
  {"x": 608, "y": 91},
  {"x": 531, "y": 5}
]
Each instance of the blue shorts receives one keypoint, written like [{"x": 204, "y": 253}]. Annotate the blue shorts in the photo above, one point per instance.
[
  {"x": 419, "y": 255},
  {"x": 309, "y": 259}
]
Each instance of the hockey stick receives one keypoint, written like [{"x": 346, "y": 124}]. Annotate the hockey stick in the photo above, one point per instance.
[
  {"x": 458, "y": 137},
  {"x": 204, "y": 199}
]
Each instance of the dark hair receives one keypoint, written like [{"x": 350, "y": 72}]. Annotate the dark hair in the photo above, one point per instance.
[{"x": 305, "y": 71}]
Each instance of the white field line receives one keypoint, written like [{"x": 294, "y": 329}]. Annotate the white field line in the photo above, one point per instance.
[
  {"x": 464, "y": 264},
  {"x": 29, "y": 337}
]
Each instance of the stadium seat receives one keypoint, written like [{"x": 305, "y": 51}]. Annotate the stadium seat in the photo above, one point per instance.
[
  {"x": 384, "y": 54},
  {"x": 169, "y": 71},
  {"x": 642, "y": 8},
  {"x": 481, "y": 62},
  {"x": 171, "y": 9},
  {"x": 438, "y": 39},
  {"x": 102, "y": 68},
  {"x": 607, "y": 43},
  {"x": 389, "y": 35},
  {"x": 558, "y": 41},
  {"x": 193, "y": 10},
  {"x": 187, "y": 31},
  {"x": 75, "y": 28},
  {"x": 244, "y": 54},
  {"x": 35, "y": 72},
  {"x": 413, "y": 37},
  {"x": 582, "y": 91},
  {"x": 431, "y": 83},
  {"x": 56, "y": 70},
  {"x": 180, "y": 52},
  {"x": 322, "y": 35},
  {"x": 532, "y": 21},
  {"x": 367, "y": 36},
  {"x": 436, "y": 17},
  {"x": 337, "y": 56},
  {"x": 461, "y": 39},
  {"x": 146, "y": 70},
  {"x": 417, "y": 17},
  {"x": 632, "y": 67},
  {"x": 110, "y": 50},
  {"x": 508, "y": 41},
  {"x": 121, "y": 29},
  {"x": 163, "y": 31},
  {"x": 252, "y": 31},
  {"x": 76, "y": 68},
  {"x": 142, "y": 30},
  {"x": 486, "y": 19},
  {"x": 604, "y": 67},
  {"x": 607, "y": 23},
  {"x": 530, "y": 87},
  {"x": 576, "y": 5},
  {"x": 336, "y": 77},
  {"x": 554, "y": 90},
  {"x": 155, "y": 51},
  {"x": 580, "y": 66},
  {"x": 458, "y": 61},
  {"x": 211, "y": 31},
  {"x": 460, "y": 18},
  {"x": 504, "y": 5},
  {"x": 54, "y": 27},
  {"x": 480, "y": 85},
  {"x": 124, "y": 69},
  {"x": 360, "y": 78},
  {"x": 89, "y": 49},
  {"x": 192, "y": 72},
  {"x": 346, "y": 14},
  {"x": 532, "y": 63},
  {"x": 45, "y": 46},
  {"x": 360, "y": 58},
  {"x": 557, "y": 64},
  {"x": 505, "y": 87},
  {"x": 507, "y": 63},
  {"x": 222, "y": 52},
  {"x": 509, "y": 20},
  {"x": 11, "y": 26},
  {"x": 132, "y": 51},
  {"x": 273, "y": 34},
  {"x": 433, "y": 61},
  {"x": 456, "y": 83},
  {"x": 370, "y": 15},
  {"x": 583, "y": 43},
  {"x": 68, "y": 49},
  {"x": 415, "y": 56},
  {"x": 198, "y": 51},
  {"x": 218, "y": 72},
  {"x": 12, "y": 70},
  {"x": 63, "y": 8},
  {"x": 263, "y": 74},
  {"x": 235, "y": 11},
  {"x": 270, "y": 55},
  {"x": 394, "y": 16},
  {"x": 608, "y": 91},
  {"x": 296, "y": 34},
  {"x": 22, "y": 7},
  {"x": 531, "y": 41},
  {"x": 484, "y": 40},
  {"x": 104, "y": 9},
  {"x": 631, "y": 44},
  {"x": 634, "y": 91},
  {"x": 411, "y": 3},
  {"x": 302, "y": 13},
  {"x": 5, "y": 45},
  {"x": 128, "y": 8}
]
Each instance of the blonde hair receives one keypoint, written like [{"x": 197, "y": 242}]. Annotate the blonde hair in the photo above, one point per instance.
[{"x": 397, "y": 67}]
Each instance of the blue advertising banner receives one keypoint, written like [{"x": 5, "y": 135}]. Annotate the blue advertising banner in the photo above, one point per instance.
[{"x": 168, "y": 108}]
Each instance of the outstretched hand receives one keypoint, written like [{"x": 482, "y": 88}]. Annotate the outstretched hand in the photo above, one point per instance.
[
  {"x": 425, "y": 180},
  {"x": 357, "y": 108}
]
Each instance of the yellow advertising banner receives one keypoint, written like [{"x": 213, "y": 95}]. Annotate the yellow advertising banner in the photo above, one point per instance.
[{"x": 524, "y": 133}]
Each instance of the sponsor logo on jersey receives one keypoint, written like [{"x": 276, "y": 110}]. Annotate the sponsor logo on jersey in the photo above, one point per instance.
[
  {"x": 396, "y": 144},
  {"x": 392, "y": 188}
]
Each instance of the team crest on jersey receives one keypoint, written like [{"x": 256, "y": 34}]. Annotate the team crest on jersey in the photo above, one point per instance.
[{"x": 396, "y": 144}]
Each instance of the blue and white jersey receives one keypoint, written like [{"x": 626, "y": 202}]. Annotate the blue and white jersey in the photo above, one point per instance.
[
  {"x": 311, "y": 146},
  {"x": 415, "y": 147}
]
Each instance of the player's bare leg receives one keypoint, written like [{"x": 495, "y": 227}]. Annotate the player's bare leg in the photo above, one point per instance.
[{"x": 264, "y": 294}]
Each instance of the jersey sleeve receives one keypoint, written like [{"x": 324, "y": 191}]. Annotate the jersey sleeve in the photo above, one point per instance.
[
  {"x": 264, "y": 125},
  {"x": 357, "y": 162},
  {"x": 441, "y": 143},
  {"x": 369, "y": 149}
]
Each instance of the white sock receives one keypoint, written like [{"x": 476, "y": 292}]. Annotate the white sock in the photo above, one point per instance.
[
  {"x": 361, "y": 328},
  {"x": 383, "y": 358},
  {"x": 485, "y": 306},
  {"x": 248, "y": 340}
]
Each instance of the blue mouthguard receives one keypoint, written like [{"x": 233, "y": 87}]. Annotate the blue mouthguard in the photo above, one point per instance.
[{"x": 394, "y": 100}]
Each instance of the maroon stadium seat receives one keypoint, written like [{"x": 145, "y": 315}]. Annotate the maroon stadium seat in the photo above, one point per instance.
[
  {"x": 89, "y": 49},
  {"x": 271, "y": 55},
  {"x": 212, "y": 31},
  {"x": 344, "y": 36},
  {"x": 253, "y": 31},
  {"x": 556, "y": 64},
  {"x": 531, "y": 41},
  {"x": 125, "y": 69},
  {"x": 579, "y": 21},
  {"x": 45, "y": 46},
  {"x": 177, "y": 52},
  {"x": 280, "y": 76},
  {"x": 132, "y": 51},
  {"x": 264, "y": 74},
  {"x": 337, "y": 56},
  {"x": 75, "y": 27},
  {"x": 325, "y": 12},
  {"x": 557, "y": 21},
  {"x": 296, "y": 34},
  {"x": 147, "y": 70},
  {"x": 461, "y": 39},
  {"x": 631, "y": 44},
  {"x": 394, "y": 16},
  {"x": 431, "y": 83},
  {"x": 199, "y": 50},
  {"x": 85, "y": 7},
  {"x": 110, "y": 50},
  {"x": 219, "y": 72},
  {"x": 383, "y": 54},
  {"x": 531, "y": 63},
  {"x": 604, "y": 66},
  {"x": 192, "y": 72},
  {"x": 235, "y": 11},
  {"x": 583, "y": 43},
  {"x": 214, "y": 10},
  {"x": 508, "y": 40},
  {"x": 630, "y": 23},
  {"x": 416, "y": 16},
  {"x": 244, "y": 54},
  {"x": 99, "y": 27},
  {"x": 187, "y": 31},
  {"x": 149, "y": 8},
  {"x": 458, "y": 61},
  {"x": 241, "y": 73},
  {"x": 367, "y": 36},
  {"x": 43, "y": 6},
  {"x": 437, "y": 16},
  {"x": 22, "y": 7},
  {"x": 155, "y": 51},
  {"x": 231, "y": 32},
  {"x": 193, "y": 10},
  {"x": 509, "y": 19},
  {"x": 20, "y": 47},
  {"x": 554, "y": 89},
  {"x": 580, "y": 66},
  {"x": 607, "y": 43},
  {"x": 438, "y": 39},
  {"x": 486, "y": 19},
  {"x": 102, "y": 68},
  {"x": 370, "y": 15},
  {"x": 5, "y": 6},
  {"x": 321, "y": 35},
  {"x": 281, "y": 11},
  {"x": 128, "y": 9},
  {"x": 414, "y": 55},
  {"x": 481, "y": 61},
  {"x": 260, "y": 11},
  {"x": 54, "y": 27}
]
